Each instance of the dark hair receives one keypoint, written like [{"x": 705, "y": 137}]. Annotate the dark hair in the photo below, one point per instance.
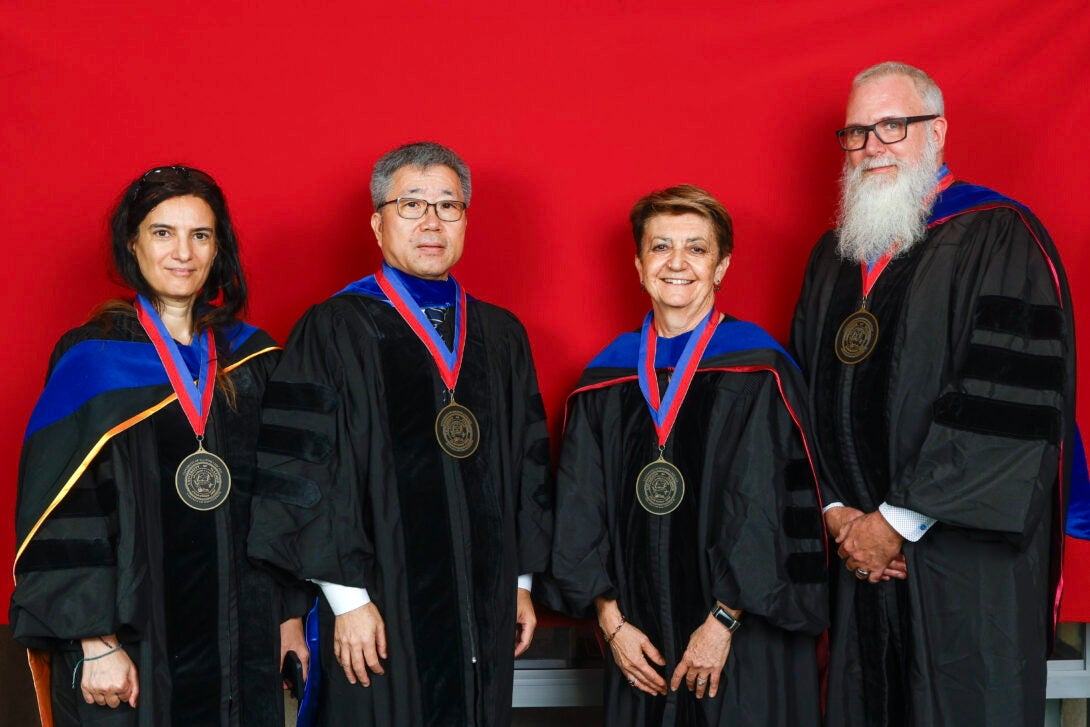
[
  {"x": 679, "y": 200},
  {"x": 226, "y": 285},
  {"x": 422, "y": 155}
]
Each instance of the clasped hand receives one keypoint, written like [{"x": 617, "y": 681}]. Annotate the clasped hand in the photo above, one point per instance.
[{"x": 867, "y": 543}]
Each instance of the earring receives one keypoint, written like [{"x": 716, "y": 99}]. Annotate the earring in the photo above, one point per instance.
[{"x": 717, "y": 285}]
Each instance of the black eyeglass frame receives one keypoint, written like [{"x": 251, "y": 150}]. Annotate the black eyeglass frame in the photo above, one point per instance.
[
  {"x": 873, "y": 128},
  {"x": 397, "y": 202}
]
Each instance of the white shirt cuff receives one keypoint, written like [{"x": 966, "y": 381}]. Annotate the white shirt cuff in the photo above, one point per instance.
[
  {"x": 526, "y": 581},
  {"x": 342, "y": 599},
  {"x": 832, "y": 505},
  {"x": 910, "y": 524}
]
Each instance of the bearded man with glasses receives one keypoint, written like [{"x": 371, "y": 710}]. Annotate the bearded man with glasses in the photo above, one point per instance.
[
  {"x": 936, "y": 334},
  {"x": 404, "y": 467}
]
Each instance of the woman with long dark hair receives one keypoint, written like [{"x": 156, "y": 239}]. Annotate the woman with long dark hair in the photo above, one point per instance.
[{"x": 133, "y": 591}]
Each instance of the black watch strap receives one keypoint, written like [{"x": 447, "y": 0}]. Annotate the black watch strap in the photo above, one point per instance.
[{"x": 723, "y": 616}]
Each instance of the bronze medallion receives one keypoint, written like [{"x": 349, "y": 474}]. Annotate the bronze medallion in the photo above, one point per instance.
[
  {"x": 203, "y": 480},
  {"x": 857, "y": 337},
  {"x": 660, "y": 487},
  {"x": 457, "y": 431}
]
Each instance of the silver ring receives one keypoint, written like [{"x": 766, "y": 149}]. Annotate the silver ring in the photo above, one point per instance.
[
  {"x": 862, "y": 574},
  {"x": 701, "y": 681},
  {"x": 632, "y": 682}
]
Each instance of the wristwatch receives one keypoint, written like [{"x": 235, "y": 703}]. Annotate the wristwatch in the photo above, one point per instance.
[{"x": 723, "y": 616}]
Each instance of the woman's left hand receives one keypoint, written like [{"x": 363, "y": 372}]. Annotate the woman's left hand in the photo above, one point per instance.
[
  {"x": 293, "y": 639},
  {"x": 702, "y": 663}
]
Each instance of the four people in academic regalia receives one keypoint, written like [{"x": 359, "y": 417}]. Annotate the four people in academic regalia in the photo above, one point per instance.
[
  {"x": 936, "y": 333},
  {"x": 133, "y": 588},
  {"x": 404, "y": 466},
  {"x": 687, "y": 518}
]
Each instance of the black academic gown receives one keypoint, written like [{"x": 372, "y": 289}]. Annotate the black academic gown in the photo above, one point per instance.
[
  {"x": 748, "y": 531},
  {"x": 106, "y": 546},
  {"x": 964, "y": 413},
  {"x": 356, "y": 491}
]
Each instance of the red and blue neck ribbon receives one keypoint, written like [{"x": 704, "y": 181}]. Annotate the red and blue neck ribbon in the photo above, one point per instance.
[
  {"x": 871, "y": 273},
  {"x": 448, "y": 362},
  {"x": 664, "y": 408},
  {"x": 195, "y": 398}
]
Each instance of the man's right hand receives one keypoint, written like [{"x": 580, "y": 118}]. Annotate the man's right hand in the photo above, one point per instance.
[
  {"x": 838, "y": 517},
  {"x": 359, "y": 641}
]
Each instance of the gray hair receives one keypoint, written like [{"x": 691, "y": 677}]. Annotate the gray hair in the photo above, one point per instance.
[
  {"x": 927, "y": 88},
  {"x": 421, "y": 155}
]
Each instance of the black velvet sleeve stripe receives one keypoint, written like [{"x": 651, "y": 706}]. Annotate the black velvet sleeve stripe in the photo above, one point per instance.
[
  {"x": 300, "y": 397},
  {"x": 46, "y": 555},
  {"x": 298, "y": 443},
  {"x": 806, "y": 568},
  {"x": 87, "y": 502},
  {"x": 1011, "y": 315},
  {"x": 538, "y": 453},
  {"x": 802, "y": 523},
  {"x": 999, "y": 418},
  {"x": 537, "y": 456},
  {"x": 286, "y": 488},
  {"x": 797, "y": 476},
  {"x": 1003, "y": 366}
]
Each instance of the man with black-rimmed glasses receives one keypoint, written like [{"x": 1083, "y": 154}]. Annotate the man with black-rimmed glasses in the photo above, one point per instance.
[
  {"x": 404, "y": 467},
  {"x": 936, "y": 334}
]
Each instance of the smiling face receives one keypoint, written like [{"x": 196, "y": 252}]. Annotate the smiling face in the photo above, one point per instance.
[
  {"x": 175, "y": 246},
  {"x": 679, "y": 266},
  {"x": 889, "y": 97},
  {"x": 428, "y": 247}
]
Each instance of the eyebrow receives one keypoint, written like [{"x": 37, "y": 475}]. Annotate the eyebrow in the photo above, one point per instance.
[
  {"x": 884, "y": 118},
  {"x": 165, "y": 226},
  {"x": 420, "y": 190},
  {"x": 698, "y": 238}
]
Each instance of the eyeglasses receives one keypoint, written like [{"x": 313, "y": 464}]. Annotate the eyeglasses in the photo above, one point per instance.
[
  {"x": 411, "y": 208},
  {"x": 887, "y": 131}
]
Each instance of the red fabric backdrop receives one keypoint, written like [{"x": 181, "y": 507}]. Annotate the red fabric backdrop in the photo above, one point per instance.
[{"x": 565, "y": 114}]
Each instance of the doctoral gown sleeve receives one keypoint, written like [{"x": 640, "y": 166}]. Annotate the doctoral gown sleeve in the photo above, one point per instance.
[
  {"x": 581, "y": 551},
  {"x": 535, "y": 504},
  {"x": 989, "y": 457},
  {"x": 805, "y": 331},
  {"x": 307, "y": 514},
  {"x": 67, "y": 577},
  {"x": 294, "y": 597},
  {"x": 765, "y": 547}
]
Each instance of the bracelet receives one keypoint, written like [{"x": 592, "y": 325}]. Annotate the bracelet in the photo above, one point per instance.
[
  {"x": 91, "y": 658},
  {"x": 614, "y": 634}
]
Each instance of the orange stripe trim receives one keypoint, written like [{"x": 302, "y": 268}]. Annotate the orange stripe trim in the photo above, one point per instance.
[
  {"x": 41, "y": 666},
  {"x": 98, "y": 448}
]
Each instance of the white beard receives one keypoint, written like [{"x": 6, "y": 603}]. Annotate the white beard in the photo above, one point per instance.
[{"x": 875, "y": 213}]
